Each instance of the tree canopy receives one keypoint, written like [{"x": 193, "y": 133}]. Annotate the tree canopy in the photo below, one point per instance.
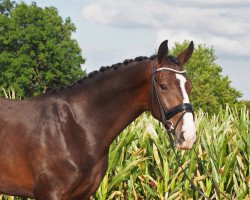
[
  {"x": 36, "y": 49},
  {"x": 210, "y": 89}
]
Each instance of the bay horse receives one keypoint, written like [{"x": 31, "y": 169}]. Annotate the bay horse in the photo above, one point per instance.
[{"x": 55, "y": 146}]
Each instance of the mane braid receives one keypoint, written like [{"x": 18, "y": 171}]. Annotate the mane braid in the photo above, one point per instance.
[{"x": 103, "y": 69}]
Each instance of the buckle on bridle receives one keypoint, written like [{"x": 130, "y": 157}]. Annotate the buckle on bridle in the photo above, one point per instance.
[{"x": 170, "y": 125}]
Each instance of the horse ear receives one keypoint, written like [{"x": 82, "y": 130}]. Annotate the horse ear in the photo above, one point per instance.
[
  {"x": 184, "y": 56},
  {"x": 163, "y": 51}
]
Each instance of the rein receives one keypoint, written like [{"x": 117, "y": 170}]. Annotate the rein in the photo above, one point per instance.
[{"x": 171, "y": 128}]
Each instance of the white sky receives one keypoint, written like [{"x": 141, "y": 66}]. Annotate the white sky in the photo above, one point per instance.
[{"x": 109, "y": 31}]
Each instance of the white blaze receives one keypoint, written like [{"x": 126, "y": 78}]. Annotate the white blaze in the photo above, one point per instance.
[{"x": 188, "y": 123}]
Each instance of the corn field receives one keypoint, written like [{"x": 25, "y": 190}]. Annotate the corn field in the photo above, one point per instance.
[{"x": 142, "y": 164}]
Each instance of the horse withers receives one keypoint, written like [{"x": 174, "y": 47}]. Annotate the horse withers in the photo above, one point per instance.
[{"x": 55, "y": 146}]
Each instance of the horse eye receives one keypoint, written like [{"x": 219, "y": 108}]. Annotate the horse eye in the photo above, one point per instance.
[{"x": 163, "y": 87}]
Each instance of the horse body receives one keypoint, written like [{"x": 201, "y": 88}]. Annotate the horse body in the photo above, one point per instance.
[{"x": 55, "y": 146}]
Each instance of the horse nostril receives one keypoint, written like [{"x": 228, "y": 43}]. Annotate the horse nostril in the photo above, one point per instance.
[{"x": 182, "y": 138}]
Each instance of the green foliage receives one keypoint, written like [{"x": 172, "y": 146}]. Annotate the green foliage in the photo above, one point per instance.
[
  {"x": 210, "y": 90},
  {"x": 10, "y": 93},
  {"x": 143, "y": 166},
  {"x": 36, "y": 49},
  {"x": 247, "y": 104}
]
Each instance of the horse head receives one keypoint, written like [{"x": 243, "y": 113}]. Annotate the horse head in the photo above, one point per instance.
[{"x": 170, "y": 95}]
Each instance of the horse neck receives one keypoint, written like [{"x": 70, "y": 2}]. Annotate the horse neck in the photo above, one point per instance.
[{"x": 114, "y": 99}]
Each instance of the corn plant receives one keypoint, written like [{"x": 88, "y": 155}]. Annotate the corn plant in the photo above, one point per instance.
[{"x": 143, "y": 166}]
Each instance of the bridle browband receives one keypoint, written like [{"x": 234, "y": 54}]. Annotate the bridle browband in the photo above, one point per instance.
[
  {"x": 171, "y": 70},
  {"x": 167, "y": 115}
]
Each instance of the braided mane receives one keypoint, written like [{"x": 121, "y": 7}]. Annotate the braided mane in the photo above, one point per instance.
[
  {"x": 170, "y": 59},
  {"x": 117, "y": 65}
]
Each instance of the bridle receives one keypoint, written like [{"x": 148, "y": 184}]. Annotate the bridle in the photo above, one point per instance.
[
  {"x": 167, "y": 115},
  {"x": 171, "y": 128}
]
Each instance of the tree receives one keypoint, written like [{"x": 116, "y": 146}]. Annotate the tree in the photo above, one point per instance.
[
  {"x": 210, "y": 89},
  {"x": 36, "y": 49}
]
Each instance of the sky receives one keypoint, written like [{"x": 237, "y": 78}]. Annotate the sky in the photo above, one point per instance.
[{"x": 110, "y": 31}]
